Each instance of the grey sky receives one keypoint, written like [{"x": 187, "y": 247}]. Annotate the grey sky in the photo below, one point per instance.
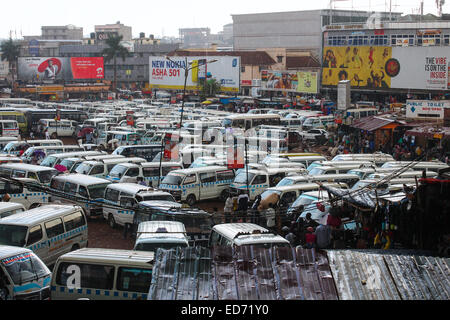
[{"x": 25, "y": 17}]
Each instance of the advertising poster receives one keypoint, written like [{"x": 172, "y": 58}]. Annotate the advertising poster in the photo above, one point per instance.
[
  {"x": 87, "y": 68},
  {"x": 38, "y": 69},
  {"x": 166, "y": 74},
  {"x": 279, "y": 81},
  {"x": 422, "y": 68},
  {"x": 307, "y": 82}
]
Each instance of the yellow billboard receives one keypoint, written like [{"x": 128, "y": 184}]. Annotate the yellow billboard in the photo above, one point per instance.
[
  {"x": 364, "y": 66},
  {"x": 307, "y": 82}
]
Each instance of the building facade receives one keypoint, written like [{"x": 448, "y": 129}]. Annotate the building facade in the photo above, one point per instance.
[{"x": 69, "y": 32}]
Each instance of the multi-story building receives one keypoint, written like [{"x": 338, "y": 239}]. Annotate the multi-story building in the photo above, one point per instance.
[
  {"x": 118, "y": 28},
  {"x": 69, "y": 32}
]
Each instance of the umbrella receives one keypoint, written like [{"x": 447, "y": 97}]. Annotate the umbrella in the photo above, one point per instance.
[
  {"x": 60, "y": 168},
  {"x": 39, "y": 154},
  {"x": 207, "y": 102}
]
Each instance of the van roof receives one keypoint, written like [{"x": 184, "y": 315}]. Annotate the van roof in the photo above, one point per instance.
[
  {"x": 123, "y": 257},
  {"x": 55, "y": 147},
  {"x": 40, "y": 214},
  {"x": 129, "y": 187},
  {"x": 304, "y": 186},
  {"x": 165, "y": 229},
  {"x": 42, "y": 141},
  {"x": 114, "y": 160},
  {"x": 5, "y": 206},
  {"x": 322, "y": 176},
  {"x": 201, "y": 169},
  {"x": 26, "y": 167},
  {"x": 74, "y": 154},
  {"x": 81, "y": 179},
  {"x": 8, "y": 251},
  {"x": 233, "y": 230}
]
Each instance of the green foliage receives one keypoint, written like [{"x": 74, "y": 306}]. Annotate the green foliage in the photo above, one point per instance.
[
  {"x": 113, "y": 51},
  {"x": 210, "y": 88}
]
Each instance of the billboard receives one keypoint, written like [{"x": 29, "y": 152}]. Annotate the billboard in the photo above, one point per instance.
[
  {"x": 423, "y": 68},
  {"x": 37, "y": 69},
  {"x": 307, "y": 82},
  {"x": 285, "y": 81},
  {"x": 166, "y": 74},
  {"x": 426, "y": 109},
  {"x": 87, "y": 68}
]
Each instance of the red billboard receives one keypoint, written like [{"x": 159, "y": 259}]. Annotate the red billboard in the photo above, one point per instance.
[{"x": 87, "y": 68}]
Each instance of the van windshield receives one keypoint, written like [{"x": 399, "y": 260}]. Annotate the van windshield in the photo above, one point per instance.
[
  {"x": 304, "y": 200},
  {"x": 67, "y": 163},
  {"x": 161, "y": 197},
  {"x": 154, "y": 246},
  {"x": 11, "y": 235},
  {"x": 10, "y": 147},
  {"x": 317, "y": 171},
  {"x": 97, "y": 191},
  {"x": 118, "y": 171},
  {"x": 286, "y": 182},
  {"x": 24, "y": 267},
  {"x": 242, "y": 177},
  {"x": 83, "y": 168},
  {"x": 173, "y": 179},
  {"x": 49, "y": 161}
]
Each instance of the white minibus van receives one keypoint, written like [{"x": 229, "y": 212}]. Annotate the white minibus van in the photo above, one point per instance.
[
  {"x": 50, "y": 231},
  {"x": 15, "y": 147},
  {"x": 9, "y": 128},
  {"x": 54, "y": 159},
  {"x": 197, "y": 184},
  {"x": 23, "y": 276},
  {"x": 72, "y": 163},
  {"x": 102, "y": 274},
  {"x": 43, "y": 151},
  {"x": 10, "y": 208},
  {"x": 149, "y": 171},
  {"x": 24, "y": 195},
  {"x": 87, "y": 191},
  {"x": 121, "y": 199},
  {"x": 42, "y": 175}
]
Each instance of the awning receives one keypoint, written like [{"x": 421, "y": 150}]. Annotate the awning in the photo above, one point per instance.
[{"x": 372, "y": 123}]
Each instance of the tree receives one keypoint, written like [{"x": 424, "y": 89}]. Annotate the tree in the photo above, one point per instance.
[
  {"x": 210, "y": 88},
  {"x": 114, "y": 50},
  {"x": 10, "y": 52}
]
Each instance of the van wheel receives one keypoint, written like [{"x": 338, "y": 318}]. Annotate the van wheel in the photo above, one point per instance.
[
  {"x": 3, "y": 294},
  {"x": 75, "y": 247},
  {"x": 111, "y": 221},
  {"x": 34, "y": 206},
  {"x": 191, "y": 200},
  {"x": 224, "y": 195}
]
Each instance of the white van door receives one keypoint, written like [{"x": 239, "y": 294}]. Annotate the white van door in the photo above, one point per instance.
[
  {"x": 55, "y": 242},
  {"x": 208, "y": 185},
  {"x": 37, "y": 242}
]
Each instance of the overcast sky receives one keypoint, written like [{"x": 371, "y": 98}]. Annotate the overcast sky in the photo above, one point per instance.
[{"x": 164, "y": 18}]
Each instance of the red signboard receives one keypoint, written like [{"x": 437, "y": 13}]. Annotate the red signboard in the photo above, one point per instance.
[
  {"x": 246, "y": 82},
  {"x": 87, "y": 68}
]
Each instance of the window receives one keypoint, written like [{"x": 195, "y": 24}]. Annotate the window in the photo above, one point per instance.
[
  {"x": 34, "y": 235},
  {"x": 92, "y": 276},
  {"x": 166, "y": 170},
  {"x": 19, "y": 174},
  {"x": 57, "y": 184},
  {"x": 446, "y": 39},
  {"x": 242, "y": 68},
  {"x": 134, "y": 279},
  {"x": 133, "y": 172},
  {"x": 97, "y": 170},
  {"x": 74, "y": 220},
  {"x": 207, "y": 177},
  {"x": 112, "y": 195},
  {"x": 225, "y": 175},
  {"x": 190, "y": 179},
  {"x": 279, "y": 59},
  {"x": 83, "y": 192},
  {"x": 288, "y": 198},
  {"x": 54, "y": 228},
  {"x": 150, "y": 172},
  {"x": 70, "y": 188},
  {"x": 259, "y": 180}
]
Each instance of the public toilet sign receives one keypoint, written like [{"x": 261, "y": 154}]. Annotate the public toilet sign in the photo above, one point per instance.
[{"x": 426, "y": 109}]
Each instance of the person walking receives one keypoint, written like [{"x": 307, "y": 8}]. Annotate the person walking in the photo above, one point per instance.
[
  {"x": 243, "y": 205},
  {"x": 47, "y": 135},
  {"x": 323, "y": 236},
  {"x": 228, "y": 209},
  {"x": 310, "y": 238}
]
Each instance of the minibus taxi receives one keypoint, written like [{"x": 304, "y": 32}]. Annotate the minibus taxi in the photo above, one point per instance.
[
  {"x": 403, "y": 175},
  {"x": 42, "y": 175},
  {"x": 26, "y": 196},
  {"x": 245, "y": 234},
  {"x": 50, "y": 231},
  {"x": 10, "y": 208},
  {"x": 101, "y": 168},
  {"x": 377, "y": 158},
  {"x": 260, "y": 179},
  {"x": 9, "y": 128},
  {"x": 197, "y": 184},
  {"x": 417, "y": 165},
  {"x": 363, "y": 173},
  {"x": 87, "y": 191},
  {"x": 121, "y": 200},
  {"x": 15, "y": 147},
  {"x": 60, "y": 128},
  {"x": 102, "y": 274},
  {"x": 119, "y": 138},
  {"x": 152, "y": 235},
  {"x": 72, "y": 163},
  {"x": 304, "y": 158},
  {"x": 54, "y": 159},
  {"x": 44, "y": 151},
  {"x": 339, "y": 164},
  {"x": 5, "y": 140},
  {"x": 23, "y": 276},
  {"x": 152, "y": 172},
  {"x": 348, "y": 179}
]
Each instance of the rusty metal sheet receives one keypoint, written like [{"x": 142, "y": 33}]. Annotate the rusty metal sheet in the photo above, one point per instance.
[
  {"x": 246, "y": 273},
  {"x": 164, "y": 276},
  {"x": 264, "y": 274},
  {"x": 204, "y": 277},
  {"x": 325, "y": 277},
  {"x": 187, "y": 269},
  {"x": 223, "y": 274},
  {"x": 287, "y": 279},
  {"x": 309, "y": 279}
]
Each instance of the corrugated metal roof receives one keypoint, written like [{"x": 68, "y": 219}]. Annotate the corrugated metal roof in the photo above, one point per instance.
[
  {"x": 251, "y": 273},
  {"x": 371, "y": 123}
]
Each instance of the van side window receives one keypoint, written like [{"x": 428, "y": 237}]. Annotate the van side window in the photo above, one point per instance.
[
  {"x": 133, "y": 172},
  {"x": 92, "y": 276},
  {"x": 54, "y": 228},
  {"x": 74, "y": 220},
  {"x": 98, "y": 169},
  {"x": 70, "y": 188},
  {"x": 83, "y": 192},
  {"x": 150, "y": 172},
  {"x": 166, "y": 170},
  {"x": 190, "y": 179},
  {"x": 112, "y": 195},
  {"x": 259, "y": 180},
  {"x": 134, "y": 279},
  {"x": 207, "y": 177},
  {"x": 34, "y": 235},
  {"x": 57, "y": 184},
  {"x": 225, "y": 175}
]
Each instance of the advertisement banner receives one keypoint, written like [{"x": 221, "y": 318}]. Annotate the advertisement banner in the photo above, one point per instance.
[
  {"x": 422, "y": 68},
  {"x": 38, "y": 69},
  {"x": 285, "y": 81},
  {"x": 426, "y": 109},
  {"x": 307, "y": 82},
  {"x": 166, "y": 74},
  {"x": 87, "y": 68}
]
